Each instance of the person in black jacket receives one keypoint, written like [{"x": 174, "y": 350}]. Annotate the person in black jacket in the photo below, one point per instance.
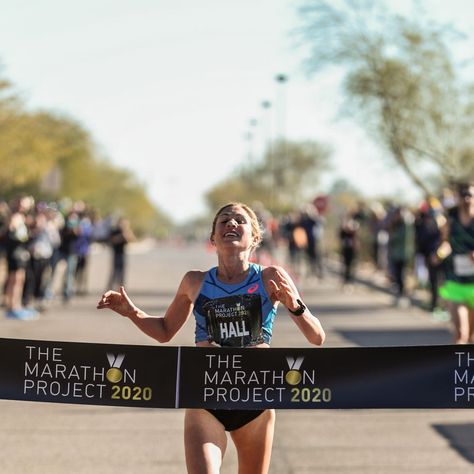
[
  {"x": 120, "y": 235},
  {"x": 349, "y": 245},
  {"x": 427, "y": 241}
]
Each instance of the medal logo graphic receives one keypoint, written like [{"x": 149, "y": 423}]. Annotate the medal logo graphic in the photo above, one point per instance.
[
  {"x": 114, "y": 374},
  {"x": 293, "y": 376}
]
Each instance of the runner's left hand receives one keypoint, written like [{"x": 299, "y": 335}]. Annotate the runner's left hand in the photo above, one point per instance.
[{"x": 284, "y": 291}]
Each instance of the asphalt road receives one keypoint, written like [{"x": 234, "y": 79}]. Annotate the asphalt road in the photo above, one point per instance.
[{"x": 57, "y": 438}]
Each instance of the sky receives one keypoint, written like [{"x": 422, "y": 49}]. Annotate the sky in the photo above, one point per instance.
[{"x": 170, "y": 88}]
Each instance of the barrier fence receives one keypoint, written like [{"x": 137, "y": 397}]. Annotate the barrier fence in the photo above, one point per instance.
[{"x": 284, "y": 378}]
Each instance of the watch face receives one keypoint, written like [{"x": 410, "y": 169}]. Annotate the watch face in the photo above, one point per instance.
[{"x": 300, "y": 310}]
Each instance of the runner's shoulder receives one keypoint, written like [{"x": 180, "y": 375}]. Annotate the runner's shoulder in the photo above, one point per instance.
[
  {"x": 193, "y": 279},
  {"x": 191, "y": 284},
  {"x": 270, "y": 272}
]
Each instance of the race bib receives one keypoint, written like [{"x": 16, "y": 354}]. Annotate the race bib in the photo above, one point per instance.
[
  {"x": 234, "y": 321},
  {"x": 463, "y": 265}
]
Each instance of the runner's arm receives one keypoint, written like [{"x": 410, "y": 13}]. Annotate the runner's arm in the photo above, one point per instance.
[
  {"x": 283, "y": 289},
  {"x": 161, "y": 328},
  {"x": 444, "y": 248}
]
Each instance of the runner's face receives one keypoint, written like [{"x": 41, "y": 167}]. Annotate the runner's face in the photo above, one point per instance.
[{"x": 233, "y": 228}]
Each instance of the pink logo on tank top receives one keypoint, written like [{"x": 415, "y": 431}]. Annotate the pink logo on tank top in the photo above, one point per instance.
[{"x": 253, "y": 288}]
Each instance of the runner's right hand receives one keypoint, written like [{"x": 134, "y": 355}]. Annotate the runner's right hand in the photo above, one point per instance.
[{"x": 118, "y": 302}]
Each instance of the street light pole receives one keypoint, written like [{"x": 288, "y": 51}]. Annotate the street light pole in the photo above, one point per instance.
[
  {"x": 281, "y": 80},
  {"x": 266, "y": 106},
  {"x": 249, "y": 136}
]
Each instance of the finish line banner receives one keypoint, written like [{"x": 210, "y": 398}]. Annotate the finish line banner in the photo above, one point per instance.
[{"x": 228, "y": 378}]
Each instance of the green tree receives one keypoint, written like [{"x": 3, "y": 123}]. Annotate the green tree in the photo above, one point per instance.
[
  {"x": 52, "y": 156},
  {"x": 400, "y": 80},
  {"x": 26, "y": 153},
  {"x": 26, "y": 150},
  {"x": 286, "y": 177},
  {"x": 117, "y": 191},
  {"x": 74, "y": 155}
]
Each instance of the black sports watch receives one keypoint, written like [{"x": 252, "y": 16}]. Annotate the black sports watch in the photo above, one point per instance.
[{"x": 299, "y": 310}]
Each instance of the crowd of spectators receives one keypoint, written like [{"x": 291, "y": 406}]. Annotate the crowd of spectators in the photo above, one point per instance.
[
  {"x": 400, "y": 242},
  {"x": 37, "y": 238},
  {"x": 394, "y": 240},
  {"x": 405, "y": 243}
]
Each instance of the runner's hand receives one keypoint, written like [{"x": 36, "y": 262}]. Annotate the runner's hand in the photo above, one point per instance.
[
  {"x": 118, "y": 302},
  {"x": 284, "y": 291}
]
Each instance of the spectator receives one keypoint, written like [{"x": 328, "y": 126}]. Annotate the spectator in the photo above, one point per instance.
[
  {"x": 18, "y": 258},
  {"x": 41, "y": 250},
  {"x": 349, "y": 245},
  {"x": 296, "y": 240},
  {"x": 4, "y": 218},
  {"x": 120, "y": 235},
  {"x": 457, "y": 253},
  {"x": 427, "y": 241},
  {"x": 375, "y": 221},
  {"x": 264, "y": 253},
  {"x": 400, "y": 250},
  {"x": 65, "y": 252},
  {"x": 312, "y": 224},
  {"x": 82, "y": 248}
]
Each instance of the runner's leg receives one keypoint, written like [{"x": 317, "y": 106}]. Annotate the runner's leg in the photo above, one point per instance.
[
  {"x": 205, "y": 442},
  {"x": 460, "y": 317},
  {"x": 471, "y": 325},
  {"x": 254, "y": 444}
]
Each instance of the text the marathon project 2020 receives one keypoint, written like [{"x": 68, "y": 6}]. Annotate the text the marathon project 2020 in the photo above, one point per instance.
[{"x": 231, "y": 378}]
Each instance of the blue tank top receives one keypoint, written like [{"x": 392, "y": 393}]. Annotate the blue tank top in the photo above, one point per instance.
[{"x": 234, "y": 315}]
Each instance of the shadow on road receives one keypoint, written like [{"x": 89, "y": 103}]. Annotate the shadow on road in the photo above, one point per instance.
[
  {"x": 460, "y": 438},
  {"x": 347, "y": 309},
  {"x": 151, "y": 293},
  {"x": 397, "y": 337}
]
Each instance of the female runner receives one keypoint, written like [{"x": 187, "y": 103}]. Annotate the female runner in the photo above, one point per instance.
[{"x": 235, "y": 283}]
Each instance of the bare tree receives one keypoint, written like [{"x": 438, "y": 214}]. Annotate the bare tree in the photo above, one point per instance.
[{"x": 401, "y": 82}]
